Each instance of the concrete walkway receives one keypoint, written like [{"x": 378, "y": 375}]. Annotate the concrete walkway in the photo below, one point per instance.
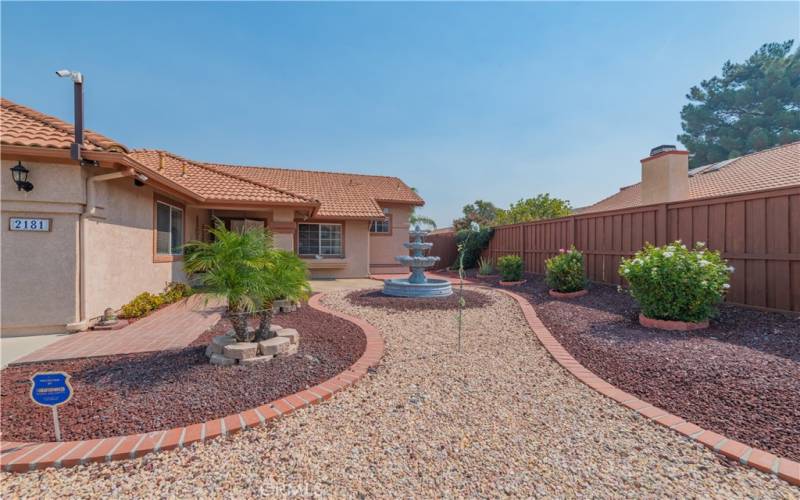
[
  {"x": 172, "y": 327},
  {"x": 13, "y": 348}
]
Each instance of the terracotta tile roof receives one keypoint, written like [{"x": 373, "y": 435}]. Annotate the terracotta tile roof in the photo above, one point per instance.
[
  {"x": 773, "y": 168},
  {"x": 212, "y": 185},
  {"x": 340, "y": 194},
  {"x": 23, "y": 126}
]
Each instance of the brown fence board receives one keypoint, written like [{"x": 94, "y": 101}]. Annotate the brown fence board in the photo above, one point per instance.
[{"x": 759, "y": 234}]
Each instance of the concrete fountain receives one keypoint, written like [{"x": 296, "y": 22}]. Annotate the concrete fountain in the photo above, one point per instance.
[{"x": 417, "y": 284}]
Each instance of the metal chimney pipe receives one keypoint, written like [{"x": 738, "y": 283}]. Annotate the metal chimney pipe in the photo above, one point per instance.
[
  {"x": 77, "y": 80},
  {"x": 75, "y": 150}
]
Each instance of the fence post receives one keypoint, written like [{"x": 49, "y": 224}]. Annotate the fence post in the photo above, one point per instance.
[{"x": 661, "y": 225}]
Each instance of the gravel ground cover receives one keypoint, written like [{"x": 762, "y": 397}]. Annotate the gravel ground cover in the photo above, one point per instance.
[
  {"x": 119, "y": 395},
  {"x": 375, "y": 298},
  {"x": 500, "y": 418},
  {"x": 739, "y": 378}
]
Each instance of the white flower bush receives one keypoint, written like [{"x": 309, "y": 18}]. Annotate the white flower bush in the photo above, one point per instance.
[{"x": 674, "y": 283}]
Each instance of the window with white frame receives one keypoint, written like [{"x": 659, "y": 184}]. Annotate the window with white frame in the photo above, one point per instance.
[
  {"x": 320, "y": 239},
  {"x": 380, "y": 226},
  {"x": 169, "y": 229}
]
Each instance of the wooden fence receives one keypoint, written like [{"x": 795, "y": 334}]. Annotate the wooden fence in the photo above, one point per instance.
[
  {"x": 444, "y": 247},
  {"x": 759, "y": 234}
]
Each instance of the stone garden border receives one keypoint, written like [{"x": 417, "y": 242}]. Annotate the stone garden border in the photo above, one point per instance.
[
  {"x": 21, "y": 457},
  {"x": 786, "y": 469}
]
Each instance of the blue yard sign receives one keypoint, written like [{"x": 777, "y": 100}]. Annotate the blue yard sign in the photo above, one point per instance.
[{"x": 51, "y": 389}]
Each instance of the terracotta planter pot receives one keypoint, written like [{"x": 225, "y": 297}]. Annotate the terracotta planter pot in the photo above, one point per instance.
[
  {"x": 663, "y": 324},
  {"x": 567, "y": 295},
  {"x": 512, "y": 283},
  {"x": 486, "y": 276}
]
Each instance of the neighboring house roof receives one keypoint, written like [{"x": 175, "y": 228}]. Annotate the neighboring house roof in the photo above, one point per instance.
[
  {"x": 212, "y": 185},
  {"x": 340, "y": 194},
  {"x": 23, "y": 126},
  {"x": 773, "y": 168}
]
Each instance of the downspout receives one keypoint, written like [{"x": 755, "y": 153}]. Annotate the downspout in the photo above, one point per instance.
[{"x": 88, "y": 212}]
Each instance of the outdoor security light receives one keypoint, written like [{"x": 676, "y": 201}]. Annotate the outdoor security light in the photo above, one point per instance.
[
  {"x": 77, "y": 77},
  {"x": 20, "y": 175}
]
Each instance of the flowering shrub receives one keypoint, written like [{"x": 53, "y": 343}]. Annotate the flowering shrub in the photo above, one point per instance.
[
  {"x": 565, "y": 271},
  {"x": 675, "y": 283},
  {"x": 510, "y": 267},
  {"x": 146, "y": 302}
]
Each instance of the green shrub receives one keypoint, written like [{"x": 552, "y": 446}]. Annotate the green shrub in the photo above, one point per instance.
[
  {"x": 176, "y": 291},
  {"x": 485, "y": 267},
  {"x": 674, "y": 283},
  {"x": 141, "y": 305},
  {"x": 472, "y": 243},
  {"x": 565, "y": 271},
  {"x": 510, "y": 267},
  {"x": 147, "y": 302}
]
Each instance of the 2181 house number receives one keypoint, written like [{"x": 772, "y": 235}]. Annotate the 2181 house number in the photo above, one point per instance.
[{"x": 29, "y": 224}]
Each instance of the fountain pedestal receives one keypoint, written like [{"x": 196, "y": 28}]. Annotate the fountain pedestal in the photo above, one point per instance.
[{"x": 417, "y": 284}]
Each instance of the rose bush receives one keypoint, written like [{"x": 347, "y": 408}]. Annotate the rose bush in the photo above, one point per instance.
[
  {"x": 675, "y": 283},
  {"x": 565, "y": 271}
]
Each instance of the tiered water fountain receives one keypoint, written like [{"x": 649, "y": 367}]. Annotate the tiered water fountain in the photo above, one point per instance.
[{"x": 417, "y": 285}]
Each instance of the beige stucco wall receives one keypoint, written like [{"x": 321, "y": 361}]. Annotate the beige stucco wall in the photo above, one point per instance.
[
  {"x": 665, "y": 177},
  {"x": 355, "y": 263},
  {"x": 384, "y": 248},
  {"x": 38, "y": 271},
  {"x": 119, "y": 246}
]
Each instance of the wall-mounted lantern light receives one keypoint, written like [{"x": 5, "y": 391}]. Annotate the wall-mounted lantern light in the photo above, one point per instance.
[{"x": 20, "y": 174}]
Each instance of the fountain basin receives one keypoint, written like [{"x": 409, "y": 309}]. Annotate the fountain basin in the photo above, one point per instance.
[{"x": 402, "y": 287}]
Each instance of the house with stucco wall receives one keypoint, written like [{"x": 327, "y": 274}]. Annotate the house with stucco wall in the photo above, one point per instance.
[{"x": 94, "y": 233}]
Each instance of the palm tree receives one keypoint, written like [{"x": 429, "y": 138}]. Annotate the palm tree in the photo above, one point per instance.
[
  {"x": 285, "y": 279},
  {"x": 415, "y": 218},
  {"x": 233, "y": 267}
]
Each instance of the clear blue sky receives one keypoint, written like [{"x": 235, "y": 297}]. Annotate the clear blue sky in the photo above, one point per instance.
[{"x": 462, "y": 101}]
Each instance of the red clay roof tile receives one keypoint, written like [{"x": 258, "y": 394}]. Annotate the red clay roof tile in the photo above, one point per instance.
[{"x": 23, "y": 126}]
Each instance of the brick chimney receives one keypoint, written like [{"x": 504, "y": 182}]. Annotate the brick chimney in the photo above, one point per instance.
[{"x": 665, "y": 175}]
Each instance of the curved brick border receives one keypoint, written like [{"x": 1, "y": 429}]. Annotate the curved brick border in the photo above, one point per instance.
[
  {"x": 786, "y": 469},
  {"x": 20, "y": 457}
]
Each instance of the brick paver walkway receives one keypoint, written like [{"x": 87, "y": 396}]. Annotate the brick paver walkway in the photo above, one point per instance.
[{"x": 172, "y": 327}]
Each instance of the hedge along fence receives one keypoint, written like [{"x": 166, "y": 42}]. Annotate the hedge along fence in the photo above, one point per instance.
[
  {"x": 758, "y": 232},
  {"x": 444, "y": 247}
]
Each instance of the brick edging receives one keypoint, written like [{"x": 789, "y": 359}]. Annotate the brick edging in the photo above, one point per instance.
[
  {"x": 764, "y": 461},
  {"x": 20, "y": 457}
]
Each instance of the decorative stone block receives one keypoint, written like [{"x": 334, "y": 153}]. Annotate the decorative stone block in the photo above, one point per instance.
[
  {"x": 255, "y": 360},
  {"x": 292, "y": 349},
  {"x": 241, "y": 350},
  {"x": 218, "y": 343},
  {"x": 275, "y": 328},
  {"x": 289, "y": 333},
  {"x": 283, "y": 306},
  {"x": 275, "y": 345},
  {"x": 219, "y": 359}
]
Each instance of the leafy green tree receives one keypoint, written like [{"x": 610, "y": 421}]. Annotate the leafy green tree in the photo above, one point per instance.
[
  {"x": 480, "y": 212},
  {"x": 753, "y": 106},
  {"x": 540, "y": 207}
]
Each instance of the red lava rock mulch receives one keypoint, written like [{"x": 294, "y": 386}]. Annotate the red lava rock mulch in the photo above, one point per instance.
[
  {"x": 739, "y": 378},
  {"x": 119, "y": 395},
  {"x": 375, "y": 298}
]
